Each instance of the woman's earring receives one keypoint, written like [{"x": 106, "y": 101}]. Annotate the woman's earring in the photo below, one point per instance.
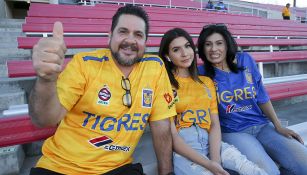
[{"x": 168, "y": 59}]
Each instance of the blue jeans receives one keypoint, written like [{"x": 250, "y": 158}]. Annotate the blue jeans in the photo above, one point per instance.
[
  {"x": 262, "y": 144},
  {"x": 232, "y": 159}
]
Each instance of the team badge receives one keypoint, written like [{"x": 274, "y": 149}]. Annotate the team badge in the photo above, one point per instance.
[
  {"x": 104, "y": 96},
  {"x": 176, "y": 97},
  {"x": 248, "y": 76},
  {"x": 147, "y": 98}
]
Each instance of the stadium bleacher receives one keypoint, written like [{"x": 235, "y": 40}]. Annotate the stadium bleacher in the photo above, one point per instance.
[{"x": 88, "y": 27}]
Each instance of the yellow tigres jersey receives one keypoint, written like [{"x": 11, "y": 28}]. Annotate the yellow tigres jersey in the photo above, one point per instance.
[
  {"x": 286, "y": 12},
  {"x": 195, "y": 102},
  {"x": 99, "y": 133}
]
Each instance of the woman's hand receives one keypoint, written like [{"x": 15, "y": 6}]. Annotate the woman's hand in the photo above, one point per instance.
[
  {"x": 216, "y": 168},
  {"x": 289, "y": 134}
]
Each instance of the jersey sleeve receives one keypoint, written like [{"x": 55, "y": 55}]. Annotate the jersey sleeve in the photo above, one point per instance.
[
  {"x": 261, "y": 94},
  {"x": 163, "y": 104},
  {"x": 71, "y": 82}
]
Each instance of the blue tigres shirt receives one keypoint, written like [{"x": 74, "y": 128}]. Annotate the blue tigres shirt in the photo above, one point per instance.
[{"x": 239, "y": 94}]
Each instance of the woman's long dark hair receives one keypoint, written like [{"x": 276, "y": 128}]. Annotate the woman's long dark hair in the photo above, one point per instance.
[
  {"x": 168, "y": 37},
  {"x": 231, "y": 44}
]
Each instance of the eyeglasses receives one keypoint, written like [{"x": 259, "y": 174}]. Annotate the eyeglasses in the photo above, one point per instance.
[
  {"x": 217, "y": 25},
  {"x": 127, "y": 99}
]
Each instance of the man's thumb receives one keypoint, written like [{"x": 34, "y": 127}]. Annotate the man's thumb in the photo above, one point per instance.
[{"x": 58, "y": 30}]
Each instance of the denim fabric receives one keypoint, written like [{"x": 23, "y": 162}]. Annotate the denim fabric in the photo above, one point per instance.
[
  {"x": 231, "y": 158},
  {"x": 197, "y": 138},
  {"x": 262, "y": 144}
]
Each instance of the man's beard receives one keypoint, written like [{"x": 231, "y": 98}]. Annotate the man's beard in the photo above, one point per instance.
[{"x": 124, "y": 61}]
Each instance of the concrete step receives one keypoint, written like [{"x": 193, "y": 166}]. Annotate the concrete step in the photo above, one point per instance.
[
  {"x": 8, "y": 34},
  {"x": 12, "y": 159},
  {"x": 9, "y": 45},
  {"x": 5, "y": 53},
  {"x": 8, "y": 39},
  {"x": 11, "y": 23},
  {"x": 11, "y": 98},
  {"x": 10, "y": 29},
  {"x": 17, "y": 84},
  {"x": 3, "y": 70}
]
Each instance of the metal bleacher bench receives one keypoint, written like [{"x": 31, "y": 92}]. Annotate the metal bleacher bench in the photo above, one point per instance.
[{"x": 88, "y": 27}]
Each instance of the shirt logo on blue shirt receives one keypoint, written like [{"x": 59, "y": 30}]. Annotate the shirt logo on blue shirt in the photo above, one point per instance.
[
  {"x": 248, "y": 76},
  {"x": 147, "y": 98},
  {"x": 232, "y": 108}
]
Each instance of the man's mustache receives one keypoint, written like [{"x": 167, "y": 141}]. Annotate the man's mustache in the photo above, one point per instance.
[{"x": 126, "y": 45}]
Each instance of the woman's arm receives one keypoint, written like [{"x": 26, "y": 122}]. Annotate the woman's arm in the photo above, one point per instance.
[
  {"x": 215, "y": 139},
  {"x": 186, "y": 151},
  {"x": 268, "y": 110}
]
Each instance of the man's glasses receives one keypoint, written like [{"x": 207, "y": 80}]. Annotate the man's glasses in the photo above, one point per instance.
[
  {"x": 127, "y": 99},
  {"x": 217, "y": 25}
]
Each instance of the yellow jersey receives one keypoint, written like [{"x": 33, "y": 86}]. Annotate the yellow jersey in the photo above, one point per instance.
[
  {"x": 195, "y": 102},
  {"x": 286, "y": 12},
  {"x": 99, "y": 133}
]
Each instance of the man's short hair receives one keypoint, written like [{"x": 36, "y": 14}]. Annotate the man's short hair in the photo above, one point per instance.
[{"x": 131, "y": 10}]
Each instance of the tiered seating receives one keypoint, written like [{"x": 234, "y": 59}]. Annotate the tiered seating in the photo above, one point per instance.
[{"x": 87, "y": 27}]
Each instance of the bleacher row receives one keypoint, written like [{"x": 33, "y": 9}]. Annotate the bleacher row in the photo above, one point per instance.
[{"x": 88, "y": 27}]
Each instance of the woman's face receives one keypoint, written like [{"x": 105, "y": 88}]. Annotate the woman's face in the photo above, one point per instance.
[
  {"x": 215, "y": 49},
  {"x": 181, "y": 52}
]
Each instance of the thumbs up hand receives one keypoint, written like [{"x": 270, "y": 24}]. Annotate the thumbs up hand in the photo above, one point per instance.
[{"x": 49, "y": 53}]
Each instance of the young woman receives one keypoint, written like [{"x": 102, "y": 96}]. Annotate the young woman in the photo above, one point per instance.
[
  {"x": 196, "y": 128},
  {"x": 248, "y": 120}
]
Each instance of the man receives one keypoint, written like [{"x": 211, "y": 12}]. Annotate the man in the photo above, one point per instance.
[
  {"x": 286, "y": 12},
  {"x": 210, "y": 5},
  {"x": 220, "y": 6},
  {"x": 102, "y": 101}
]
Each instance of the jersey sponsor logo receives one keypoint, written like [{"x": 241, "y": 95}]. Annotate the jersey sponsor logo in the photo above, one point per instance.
[
  {"x": 169, "y": 99},
  {"x": 100, "y": 141},
  {"x": 104, "y": 96},
  {"x": 104, "y": 141},
  {"x": 147, "y": 98},
  {"x": 176, "y": 97},
  {"x": 248, "y": 76},
  {"x": 232, "y": 108},
  {"x": 117, "y": 148},
  {"x": 128, "y": 122}
]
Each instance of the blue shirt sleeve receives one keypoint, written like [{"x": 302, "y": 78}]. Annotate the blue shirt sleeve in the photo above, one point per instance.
[{"x": 262, "y": 95}]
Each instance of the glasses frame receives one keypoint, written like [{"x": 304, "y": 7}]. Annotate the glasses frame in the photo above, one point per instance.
[{"x": 127, "y": 98}]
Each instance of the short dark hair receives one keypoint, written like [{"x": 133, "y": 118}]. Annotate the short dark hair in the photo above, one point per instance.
[
  {"x": 168, "y": 37},
  {"x": 231, "y": 44},
  {"x": 131, "y": 10}
]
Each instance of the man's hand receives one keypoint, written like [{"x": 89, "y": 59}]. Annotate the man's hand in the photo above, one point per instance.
[{"x": 48, "y": 55}]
